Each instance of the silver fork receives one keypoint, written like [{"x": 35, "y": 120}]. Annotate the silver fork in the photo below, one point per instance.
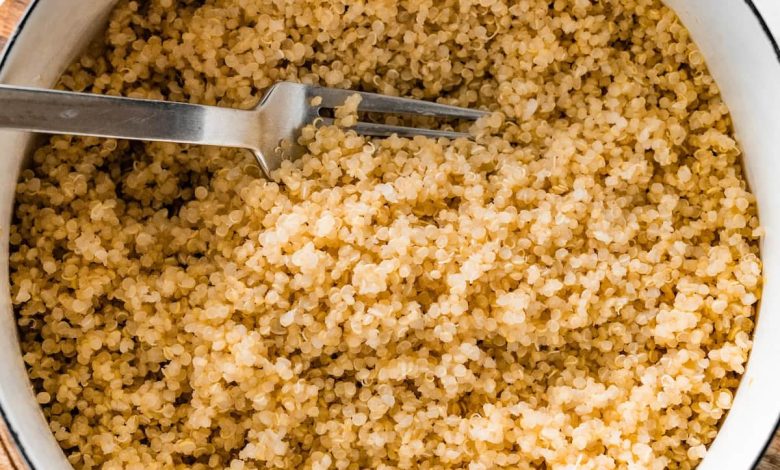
[{"x": 279, "y": 117}]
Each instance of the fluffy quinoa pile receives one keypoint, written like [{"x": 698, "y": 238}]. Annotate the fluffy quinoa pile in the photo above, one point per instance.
[{"x": 575, "y": 289}]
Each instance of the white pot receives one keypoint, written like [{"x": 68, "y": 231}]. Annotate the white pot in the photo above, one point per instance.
[{"x": 742, "y": 55}]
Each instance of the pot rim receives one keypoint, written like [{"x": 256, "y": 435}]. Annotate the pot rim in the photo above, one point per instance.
[
  {"x": 12, "y": 435},
  {"x": 776, "y": 46}
]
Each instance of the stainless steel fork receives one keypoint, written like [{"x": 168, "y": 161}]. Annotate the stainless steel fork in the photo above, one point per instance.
[{"x": 279, "y": 117}]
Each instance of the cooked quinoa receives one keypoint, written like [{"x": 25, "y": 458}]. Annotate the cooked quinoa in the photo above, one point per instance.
[{"x": 575, "y": 289}]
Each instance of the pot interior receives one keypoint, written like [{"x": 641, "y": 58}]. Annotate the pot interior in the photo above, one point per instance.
[{"x": 741, "y": 58}]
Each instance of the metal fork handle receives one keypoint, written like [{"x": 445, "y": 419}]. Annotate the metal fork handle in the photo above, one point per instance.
[{"x": 61, "y": 112}]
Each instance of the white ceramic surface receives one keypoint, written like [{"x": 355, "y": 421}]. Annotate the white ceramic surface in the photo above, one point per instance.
[{"x": 742, "y": 59}]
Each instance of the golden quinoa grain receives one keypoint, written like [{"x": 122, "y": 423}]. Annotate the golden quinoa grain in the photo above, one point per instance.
[{"x": 574, "y": 289}]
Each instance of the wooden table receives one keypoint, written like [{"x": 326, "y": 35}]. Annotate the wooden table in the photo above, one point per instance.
[{"x": 11, "y": 10}]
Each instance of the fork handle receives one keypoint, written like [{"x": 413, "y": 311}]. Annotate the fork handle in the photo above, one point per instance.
[{"x": 61, "y": 112}]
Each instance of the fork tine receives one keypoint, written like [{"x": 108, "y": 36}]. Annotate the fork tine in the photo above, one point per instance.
[
  {"x": 383, "y": 130},
  {"x": 376, "y": 103}
]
